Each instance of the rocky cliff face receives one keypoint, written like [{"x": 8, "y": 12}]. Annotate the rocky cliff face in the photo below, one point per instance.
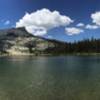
[{"x": 20, "y": 42}]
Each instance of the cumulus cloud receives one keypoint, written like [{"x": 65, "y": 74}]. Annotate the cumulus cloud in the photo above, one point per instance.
[
  {"x": 96, "y": 18},
  {"x": 91, "y": 26},
  {"x": 38, "y": 31},
  {"x": 39, "y": 22},
  {"x": 73, "y": 31},
  {"x": 7, "y": 22},
  {"x": 95, "y": 21},
  {"x": 80, "y": 25}
]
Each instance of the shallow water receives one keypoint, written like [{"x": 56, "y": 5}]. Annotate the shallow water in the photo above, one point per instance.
[{"x": 50, "y": 78}]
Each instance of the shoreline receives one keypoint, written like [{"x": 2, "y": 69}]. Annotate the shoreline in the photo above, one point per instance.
[{"x": 69, "y": 54}]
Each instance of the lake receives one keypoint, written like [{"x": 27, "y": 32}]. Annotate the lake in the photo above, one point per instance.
[{"x": 50, "y": 78}]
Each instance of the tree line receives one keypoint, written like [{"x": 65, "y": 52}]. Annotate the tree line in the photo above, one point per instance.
[{"x": 84, "y": 46}]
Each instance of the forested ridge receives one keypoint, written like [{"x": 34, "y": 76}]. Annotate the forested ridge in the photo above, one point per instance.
[{"x": 84, "y": 46}]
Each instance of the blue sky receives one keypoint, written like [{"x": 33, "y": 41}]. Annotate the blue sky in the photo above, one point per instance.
[{"x": 80, "y": 11}]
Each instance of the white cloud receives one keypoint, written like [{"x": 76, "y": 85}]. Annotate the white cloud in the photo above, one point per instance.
[
  {"x": 96, "y": 18},
  {"x": 91, "y": 26},
  {"x": 7, "y": 22},
  {"x": 80, "y": 25},
  {"x": 39, "y": 22},
  {"x": 38, "y": 31},
  {"x": 73, "y": 31}
]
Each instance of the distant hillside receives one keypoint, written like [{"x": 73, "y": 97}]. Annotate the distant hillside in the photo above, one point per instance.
[{"x": 20, "y": 42}]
